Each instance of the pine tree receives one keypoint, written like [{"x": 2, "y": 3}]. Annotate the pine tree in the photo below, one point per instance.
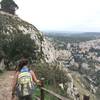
[{"x": 9, "y": 6}]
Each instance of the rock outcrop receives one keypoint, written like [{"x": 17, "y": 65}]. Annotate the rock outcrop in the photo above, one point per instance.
[
  {"x": 2, "y": 65},
  {"x": 12, "y": 24},
  {"x": 48, "y": 51}
]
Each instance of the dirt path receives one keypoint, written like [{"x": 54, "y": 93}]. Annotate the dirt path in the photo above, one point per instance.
[{"x": 5, "y": 85}]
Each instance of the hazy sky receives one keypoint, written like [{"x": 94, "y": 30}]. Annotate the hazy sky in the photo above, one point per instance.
[{"x": 63, "y": 15}]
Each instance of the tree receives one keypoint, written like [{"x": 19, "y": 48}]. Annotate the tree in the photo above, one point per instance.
[
  {"x": 9, "y": 6},
  {"x": 18, "y": 45}
]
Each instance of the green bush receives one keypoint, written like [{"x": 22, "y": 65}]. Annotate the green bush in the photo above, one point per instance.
[{"x": 14, "y": 46}]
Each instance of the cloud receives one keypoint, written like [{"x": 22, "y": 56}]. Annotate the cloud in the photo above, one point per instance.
[{"x": 69, "y": 15}]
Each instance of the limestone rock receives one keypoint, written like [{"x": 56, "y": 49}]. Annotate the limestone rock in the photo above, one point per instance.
[
  {"x": 2, "y": 65},
  {"x": 12, "y": 24}
]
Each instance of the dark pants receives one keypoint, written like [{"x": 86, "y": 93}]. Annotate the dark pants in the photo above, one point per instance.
[{"x": 29, "y": 97}]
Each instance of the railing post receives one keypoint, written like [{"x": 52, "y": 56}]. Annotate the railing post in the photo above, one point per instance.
[
  {"x": 59, "y": 99},
  {"x": 42, "y": 91},
  {"x": 86, "y": 97}
]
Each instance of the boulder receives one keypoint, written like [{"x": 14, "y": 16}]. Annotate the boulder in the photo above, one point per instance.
[{"x": 84, "y": 68}]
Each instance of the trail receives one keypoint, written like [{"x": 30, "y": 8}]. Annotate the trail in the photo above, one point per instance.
[{"x": 5, "y": 85}]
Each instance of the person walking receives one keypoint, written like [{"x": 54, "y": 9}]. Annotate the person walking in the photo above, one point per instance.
[{"x": 23, "y": 81}]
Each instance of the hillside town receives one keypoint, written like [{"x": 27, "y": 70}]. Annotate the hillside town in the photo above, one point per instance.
[{"x": 83, "y": 58}]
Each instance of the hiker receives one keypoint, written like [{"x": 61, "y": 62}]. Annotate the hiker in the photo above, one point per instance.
[{"x": 23, "y": 82}]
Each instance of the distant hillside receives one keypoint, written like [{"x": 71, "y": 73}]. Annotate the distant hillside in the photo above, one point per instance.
[
  {"x": 73, "y": 37},
  {"x": 65, "y": 33},
  {"x": 93, "y": 35}
]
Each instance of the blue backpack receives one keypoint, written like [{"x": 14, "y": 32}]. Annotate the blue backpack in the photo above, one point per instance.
[{"x": 25, "y": 84}]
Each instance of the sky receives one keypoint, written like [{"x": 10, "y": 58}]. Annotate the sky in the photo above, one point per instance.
[{"x": 61, "y": 15}]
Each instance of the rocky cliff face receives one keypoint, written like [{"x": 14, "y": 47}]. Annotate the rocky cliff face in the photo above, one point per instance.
[
  {"x": 12, "y": 24},
  {"x": 48, "y": 51}
]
